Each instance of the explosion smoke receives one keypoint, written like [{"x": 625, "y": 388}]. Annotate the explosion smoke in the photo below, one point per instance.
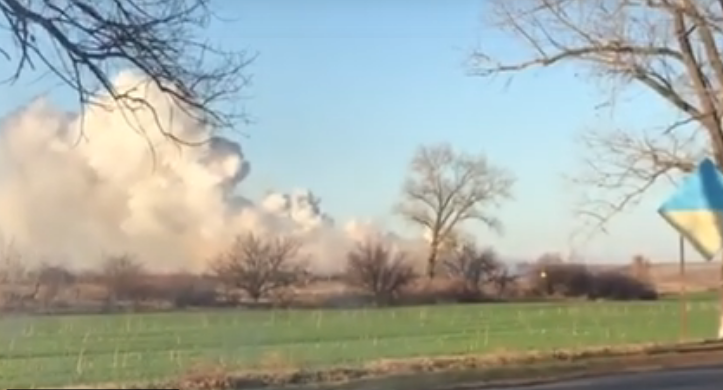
[{"x": 73, "y": 187}]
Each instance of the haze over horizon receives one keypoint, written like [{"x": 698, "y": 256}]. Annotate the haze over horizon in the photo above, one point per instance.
[{"x": 344, "y": 93}]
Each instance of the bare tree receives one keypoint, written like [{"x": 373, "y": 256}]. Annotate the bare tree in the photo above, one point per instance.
[
  {"x": 476, "y": 267},
  {"x": 54, "y": 279},
  {"x": 502, "y": 279},
  {"x": 671, "y": 48},
  {"x": 379, "y": 270},
  {"x": 261, "y": 266},
  {"x": 472, "y": 265},
  {"x": 446, "y": 188},
  {"x": 84, "y": 42}
]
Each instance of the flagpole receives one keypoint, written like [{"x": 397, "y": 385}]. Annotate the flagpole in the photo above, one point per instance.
[
  {"x": 683, "y": 290},
  {"x": 720, "y": 319},
  {"x": 702, "y": 190}
]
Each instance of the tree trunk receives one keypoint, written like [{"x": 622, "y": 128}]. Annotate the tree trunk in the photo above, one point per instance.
[{"x": 432, "y": 262}]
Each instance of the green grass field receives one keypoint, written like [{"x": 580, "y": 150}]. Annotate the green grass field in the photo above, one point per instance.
[{"x": 64, "y": 350}]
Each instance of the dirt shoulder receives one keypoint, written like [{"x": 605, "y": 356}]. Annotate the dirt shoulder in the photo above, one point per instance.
[
  {"x": 458, "y": 372},
  {"x": 534, "y": 372}
]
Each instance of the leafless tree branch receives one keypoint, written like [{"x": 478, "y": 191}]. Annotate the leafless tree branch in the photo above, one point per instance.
[
  {"x": 669, "y": 47},
  {"x": 85, "y": 43}
]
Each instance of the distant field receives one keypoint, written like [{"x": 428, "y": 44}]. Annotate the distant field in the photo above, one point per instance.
[
  {"x": 49, "y": 351},
  {"x": 699, "y": 276},
  {"x": 694, "y": 296}
]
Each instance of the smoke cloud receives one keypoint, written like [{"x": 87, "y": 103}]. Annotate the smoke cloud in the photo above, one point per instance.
[{"x": 76, "y": 186}]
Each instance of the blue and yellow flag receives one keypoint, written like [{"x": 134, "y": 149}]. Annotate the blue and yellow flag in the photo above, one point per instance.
[{"x": 696, "y": 209}]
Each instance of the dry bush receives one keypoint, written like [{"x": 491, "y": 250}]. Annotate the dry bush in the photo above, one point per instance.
[
  {"x": 620, "y": 286},
  {"x": 145, "y": 291},
  {"x": 187, "y": 290},
  {"x": 504, "y": 283},
  {"x": 478, "y": 271},
  {"x": 552, "y": 277},
  {"x": 53, "y": 279},
  {"x": 261, "y": 266},
  {"x": 122, "y": 276},
  {"x": 564, "y": 280},
  {"x": 378, "y": 270},
  {"x": 283, "y": 297}
]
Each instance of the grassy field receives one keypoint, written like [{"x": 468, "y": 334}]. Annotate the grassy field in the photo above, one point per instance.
[{"x": 48, "y": 351}]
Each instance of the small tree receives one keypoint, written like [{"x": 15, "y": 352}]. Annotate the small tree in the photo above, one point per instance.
[
  {"x": 121, "y": 275},
  {"x": 502, "y": 279},
  {"x": 54, "y": 279},
  {"x": 261, "y": 266},
  {"x": 446, "y": 188},
  {"x": 475, "y": 267},
  {"x": 377, "y": 269}
]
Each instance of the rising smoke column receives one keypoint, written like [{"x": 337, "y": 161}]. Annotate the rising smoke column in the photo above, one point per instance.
[{"x": 74, "y": 187}]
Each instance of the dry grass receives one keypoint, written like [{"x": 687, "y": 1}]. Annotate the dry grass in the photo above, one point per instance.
[
  {"x": 87, "y": 295},
  {"x": 452, "y": 372},
  {"x": 699, "y": 277}
]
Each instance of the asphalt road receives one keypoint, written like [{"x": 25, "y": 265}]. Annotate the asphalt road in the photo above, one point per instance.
[{"x": 709, "y": 378}]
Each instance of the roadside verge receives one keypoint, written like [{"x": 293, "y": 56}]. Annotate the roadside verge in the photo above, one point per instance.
[{"x": 458, "y": 372}]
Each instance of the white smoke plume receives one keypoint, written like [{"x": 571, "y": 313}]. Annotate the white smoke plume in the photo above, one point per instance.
[{"x": 74, "y": 187}]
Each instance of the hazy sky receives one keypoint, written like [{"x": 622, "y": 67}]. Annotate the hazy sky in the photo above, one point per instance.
[{"x": 345, "y": 90}]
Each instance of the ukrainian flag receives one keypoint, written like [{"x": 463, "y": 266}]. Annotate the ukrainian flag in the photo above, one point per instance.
[{"x": 696, "y": 209}]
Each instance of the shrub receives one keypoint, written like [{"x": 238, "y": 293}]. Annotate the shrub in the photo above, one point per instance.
[
  {"x": 550, "y": 277},
  {"x": 473, "y": 267},
  {"x": 181, "y": 290},
  {"x": 54, "y": 279},
  {"x": 565, "y": 280},
  {"x": 260, "y": 266},
  {"x": 122, "y": 277},
  {"x": 187, "y": 290},
  {"x": 379, "y": 271},
  {"x": 620, "y": 286}
]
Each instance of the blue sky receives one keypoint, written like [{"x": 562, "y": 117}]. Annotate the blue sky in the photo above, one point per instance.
[{"x": 344, "y": 91}]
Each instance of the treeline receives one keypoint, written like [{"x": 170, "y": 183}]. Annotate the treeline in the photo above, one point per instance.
[{"x": 272, "y": 272}]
